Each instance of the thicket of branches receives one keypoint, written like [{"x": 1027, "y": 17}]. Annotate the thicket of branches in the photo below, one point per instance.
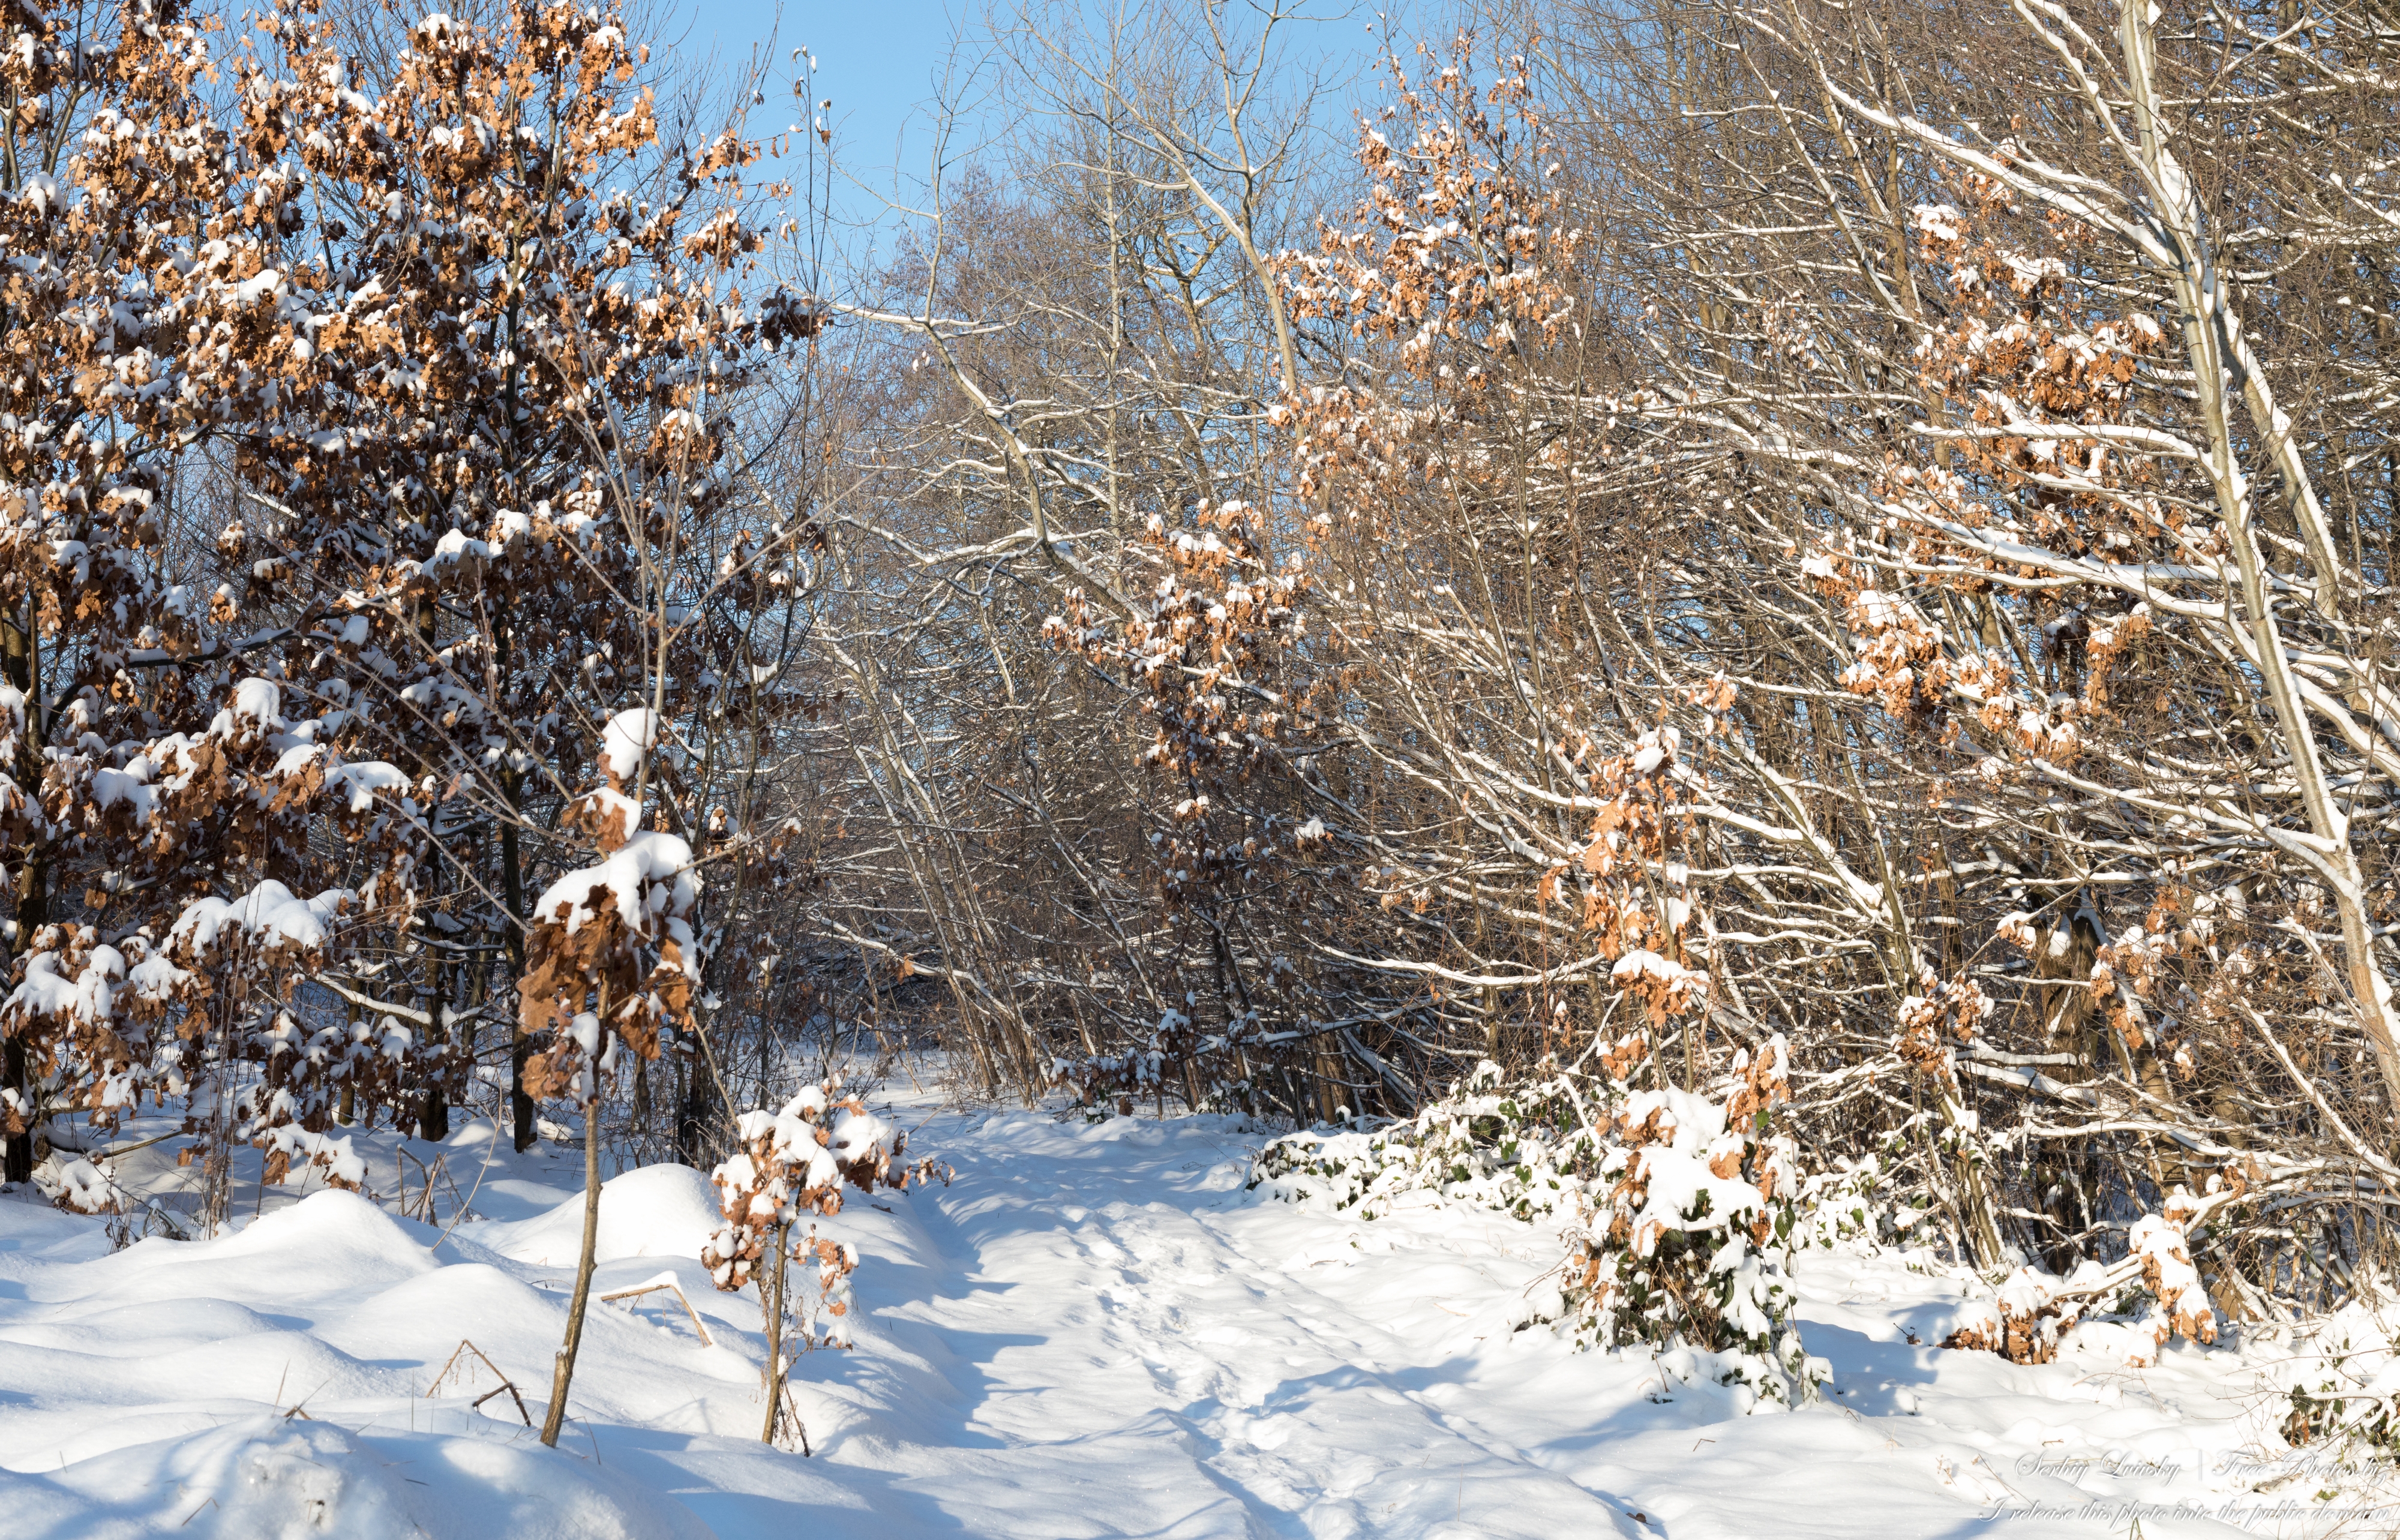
[
  {"x": 1864, "y": 523},
  {"x": 1676, "y": 526}
]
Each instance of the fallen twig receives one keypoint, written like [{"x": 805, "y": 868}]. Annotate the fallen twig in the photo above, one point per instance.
[
  {"x": 666, "y": 1280},
  {"x": 506, "y": 1383}
]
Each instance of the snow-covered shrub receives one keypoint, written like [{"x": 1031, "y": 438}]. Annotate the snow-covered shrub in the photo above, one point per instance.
[
  {"x": 2161, "y": 1242},
  {"x": 1852, "y": 1204},
  {"x": 825, "y": 1314},
  {"x": 795, "y": 1161},
  {"x": 2345, "y": 1390},
  {"x": 287, "y": 1144},
  {"x": 103, "y": 1015},
  {"x": 2024, "y": 1319},
  {"x": 76, "y": 1185},
  {"x": 783, "y": 1168},
  {"x": 2021, "y": 1322},
  {"x": 1687, "y": 1250},
  {"x": 1219, "y": 1071},
  {"x": 1528, "y": 1149},
  {"x": 611, "y": 957},
  {"x": 1678, "y": 1208}
]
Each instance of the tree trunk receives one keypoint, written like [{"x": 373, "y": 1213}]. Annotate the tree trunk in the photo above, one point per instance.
[
  {"x": 17, "y": 1161},
  {"x": 19, "y": 663},
  {"x": 563, "y": 1371},
  {"x": 32, "y": 913},
  {"x": 700, "y": 1107},
  {"x": 775, "y": 1333},
  {"x": 433, "y": 1114},
  {"x": 512, "y": 894}
]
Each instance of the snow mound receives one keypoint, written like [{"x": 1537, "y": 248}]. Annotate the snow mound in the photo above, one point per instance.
[
  {"x": 260, "y": 1478},
  {"x": 330, "y": 1243},
  {"x": 650, "y": 1211}
]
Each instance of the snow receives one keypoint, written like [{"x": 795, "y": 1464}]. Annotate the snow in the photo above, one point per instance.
[
  {"x": 338, "y": 1156},
  {"x": 650, "y": 1211},
  {"x": 857, "y": 1134},
  {"x": 155, "y": 978},
  {"x": 629, "y": 736},
  {"x": 455, "y": 549},
  {"x": 652, "y": 874},
  {"x": 614, "y": 808},
  {"x": 794, "y": 1131},
  {"x": 270, "y": 913},
  {"x": 40, "y": 193},
  {"x": 357, "y": 782},
  {"x": 1645, "y": 963},
  {"x": 74, "y": 1184},
  {"x": 1096, "y": 1331},
  {"x": 269, "y": 1478},
  {"x": 256, "y": 707},
  {"x": 83, "y": 999},
  {"x": 252, "y": 289}
]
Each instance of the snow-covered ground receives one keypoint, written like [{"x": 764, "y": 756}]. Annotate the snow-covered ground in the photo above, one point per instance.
[{"x": 1096, "y": 1331}]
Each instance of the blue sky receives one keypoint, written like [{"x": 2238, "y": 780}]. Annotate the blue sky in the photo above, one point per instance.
[
  {"x": 882, "y": 63},
  {"x": 877, "y": 59},
  {"x": 880, "y": 59}
]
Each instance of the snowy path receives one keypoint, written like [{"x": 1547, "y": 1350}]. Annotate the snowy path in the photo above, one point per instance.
[
  {"x": 1201, "y": 1382},
  {"x": 1095, "y": 1331}
]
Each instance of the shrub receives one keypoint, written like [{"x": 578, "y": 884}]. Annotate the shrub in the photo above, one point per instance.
[
  {"x": 1678, "y": 1208},
  {"x": 2345, "y": 1395}
]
